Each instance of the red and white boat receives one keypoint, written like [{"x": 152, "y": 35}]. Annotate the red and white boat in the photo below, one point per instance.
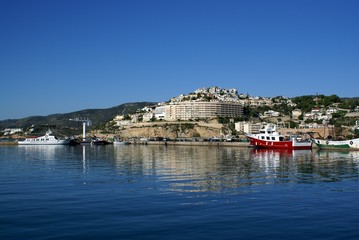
[{"x": 268, "y": 137}]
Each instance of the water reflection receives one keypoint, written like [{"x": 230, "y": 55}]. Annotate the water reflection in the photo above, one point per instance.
[
  {"x": 329, "y": 166},
  {"x": 84, "y": 159},
  {"x": 338, "y": 155},
  {"x": 202, "y": 169},
  {"x": 40, "y": 152}
]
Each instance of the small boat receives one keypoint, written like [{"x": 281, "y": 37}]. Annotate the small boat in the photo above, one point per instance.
[
  {"x": 118, "y": 141},
  {"x": 99, "y": 141},
  {"x": 47, "y": 139},
  {"x": 268, "y": 137},
  {"x": 121, "y": 142},
  {"x": 351, "y": 144}
]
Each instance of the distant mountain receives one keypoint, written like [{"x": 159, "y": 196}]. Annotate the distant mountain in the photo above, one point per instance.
[{"x": 97, "y": 116}]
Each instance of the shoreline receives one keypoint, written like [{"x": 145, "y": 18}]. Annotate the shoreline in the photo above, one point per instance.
[
  {"x": 174, "y": 143},
  {"x": 193, "y": 143}
]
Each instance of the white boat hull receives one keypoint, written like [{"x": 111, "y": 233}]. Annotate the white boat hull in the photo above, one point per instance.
[
  {"x": 352, "y": 144},
  {"x": 57, "y": 142},
  {"x": 120, "y": 142}
]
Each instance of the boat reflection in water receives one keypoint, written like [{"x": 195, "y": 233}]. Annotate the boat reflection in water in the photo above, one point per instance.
[
  {"x": 338, "y": 155},
  {"x": 272, "y": 158},
  {"x": 41, "y": 152}
]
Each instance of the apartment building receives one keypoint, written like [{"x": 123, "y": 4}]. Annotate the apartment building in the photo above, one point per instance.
[
  {"x": 247, "y": 127},
  {"x": 192, "y": 110}
]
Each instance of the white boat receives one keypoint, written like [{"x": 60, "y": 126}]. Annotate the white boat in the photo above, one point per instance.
[
  {"x": 351, "y": 144},
  {"x": 47, "y": 139},
  {"x": 118, "y": 141}
]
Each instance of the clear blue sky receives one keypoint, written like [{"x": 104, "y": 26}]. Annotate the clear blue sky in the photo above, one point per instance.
[{"x": 61, "y": 56}]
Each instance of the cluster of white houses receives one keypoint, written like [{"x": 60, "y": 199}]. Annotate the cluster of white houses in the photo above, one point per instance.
[
  {"x": 203, "y": 103},
  {"x": 11, "y": 131},
  {"x": 206, "y": 103}
]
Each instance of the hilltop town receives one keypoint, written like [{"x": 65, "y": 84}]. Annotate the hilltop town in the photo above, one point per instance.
[{"x": 225, "y": 113}]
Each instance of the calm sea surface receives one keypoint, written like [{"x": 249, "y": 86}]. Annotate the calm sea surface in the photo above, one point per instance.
[{"x": 158, "y": 192}]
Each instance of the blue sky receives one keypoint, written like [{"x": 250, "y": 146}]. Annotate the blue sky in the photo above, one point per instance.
[{"x": 61, "y": 56}]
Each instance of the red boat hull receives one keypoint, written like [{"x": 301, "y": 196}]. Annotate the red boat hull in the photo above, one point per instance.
[{"x": 291, "y": 145}]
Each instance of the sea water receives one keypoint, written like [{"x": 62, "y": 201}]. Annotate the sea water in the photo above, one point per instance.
[{"x": 177, "y": 192}]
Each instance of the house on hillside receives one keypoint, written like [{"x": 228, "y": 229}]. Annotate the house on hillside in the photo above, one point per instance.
[
  {"x": 271, "y": 113},
  {"x": 296, "y": 113}
]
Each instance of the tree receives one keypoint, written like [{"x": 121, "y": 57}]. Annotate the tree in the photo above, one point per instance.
[{"x": 293, "y": 124}]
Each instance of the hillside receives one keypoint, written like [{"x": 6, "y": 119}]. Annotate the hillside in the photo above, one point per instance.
[
  {"x": 57, "y": 121},
  {"x": 174, "y": 129},
  {"x": 60, "y": 124}
]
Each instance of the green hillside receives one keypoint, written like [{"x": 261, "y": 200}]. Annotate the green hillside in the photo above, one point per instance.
[{"x": 61, "y": 123}]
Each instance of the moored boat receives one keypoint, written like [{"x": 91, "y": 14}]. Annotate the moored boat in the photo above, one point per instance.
[
  {"x": 350, "y": 144},
  {"x": 99, "y": 141},
  {"x": 268, "y": 137},
  {"x": 47, "y": 139},
  {"x": 118, "y": 141},
  {"x": 121, "y": 142}
]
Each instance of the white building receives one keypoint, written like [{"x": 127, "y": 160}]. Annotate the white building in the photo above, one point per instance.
[
  {"x": 332, "y": 110},
  {"x": 296, "y": 113},
  {"x": 247, "y": 127},
  {"x": 148, "y": 116},
  {"x": 271, "y": 113},
  {"x": 120, "y": 121},
  {"x": 160, "y": 112},
  {"x": 192, "y": 110},
  {"x": 10, "y": 131}
]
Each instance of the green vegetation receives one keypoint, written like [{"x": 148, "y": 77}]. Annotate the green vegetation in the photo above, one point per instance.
[
  {"x": 127, "y": 117},
  {"x": 349, "y": 103},
  {"x": 306, "y": 103},
  {"x": 99, "y": 118}
]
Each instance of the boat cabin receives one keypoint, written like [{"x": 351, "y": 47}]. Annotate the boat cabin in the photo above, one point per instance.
[{"x": 269, "y": 133}]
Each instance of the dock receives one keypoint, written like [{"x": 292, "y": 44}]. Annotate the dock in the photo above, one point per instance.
[
  {"x": 193, "y": 143},
  {"x": 8, "y": 143}
]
